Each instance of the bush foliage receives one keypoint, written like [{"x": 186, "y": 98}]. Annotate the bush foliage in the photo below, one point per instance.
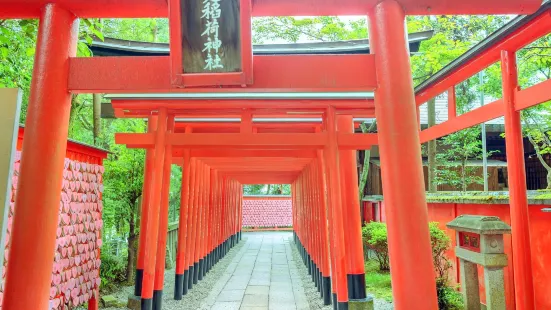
[
  {"x": 112, "y": 272},
  {"x": 448, "y": 297},
  {"x": 375, "y": 238}
]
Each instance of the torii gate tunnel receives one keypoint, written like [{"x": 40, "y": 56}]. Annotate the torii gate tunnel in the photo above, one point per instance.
[{"x": 315, "y": 156}]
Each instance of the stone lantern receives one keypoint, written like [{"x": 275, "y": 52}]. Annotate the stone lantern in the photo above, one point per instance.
[{"x": 480, "y": 242}]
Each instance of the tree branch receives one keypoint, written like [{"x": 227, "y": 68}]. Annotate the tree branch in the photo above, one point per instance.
[
  {"x": 537, "y": 148},
  {"x": 300, "y": 30}
]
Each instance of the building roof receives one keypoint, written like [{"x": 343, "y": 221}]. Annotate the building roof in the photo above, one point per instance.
[
  {"x": 96, "y": 150},
  {"x": 117, "y": 47},
  {"x": 470, "y": 163}
]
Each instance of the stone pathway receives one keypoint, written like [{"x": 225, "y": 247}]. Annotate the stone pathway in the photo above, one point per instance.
[{"x": 261, "y": 276}]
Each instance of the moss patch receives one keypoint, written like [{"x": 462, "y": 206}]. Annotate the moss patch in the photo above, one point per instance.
[{"x": 377, "y": 282}]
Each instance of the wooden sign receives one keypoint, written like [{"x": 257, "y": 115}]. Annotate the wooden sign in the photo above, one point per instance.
[
  {"x": 211, "y": 36},
  {"x": 469, "y": 241},
  {"x": 210, "y": 42}
]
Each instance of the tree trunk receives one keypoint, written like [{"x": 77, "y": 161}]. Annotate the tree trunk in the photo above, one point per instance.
[
  {"x": 431, "y": 149},
  {"x": 365, "y": 169},
  {"x": 97, "y": 116},
  {"x": 541, "y": 159},
  {"x": 464, "y": 175},
  {"x": 268, "y": 189},
  {"x": 364, "y": 174},
  {"x": 132, "y": 248}
]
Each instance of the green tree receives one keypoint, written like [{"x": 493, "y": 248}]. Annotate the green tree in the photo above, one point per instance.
[
  {"x": 123, "y": 183},
  {"x": 137, "y": 29},
  {"x": 267, "y": 189},
  {"x": 294, "y": 29},
  {"x": 452, "y": 162},
  {"x": 537, "y": 128},
  {"x": 17, "y": 48}
]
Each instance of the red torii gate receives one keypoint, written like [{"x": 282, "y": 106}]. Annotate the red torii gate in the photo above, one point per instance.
[{"x": 57, "y": 74}]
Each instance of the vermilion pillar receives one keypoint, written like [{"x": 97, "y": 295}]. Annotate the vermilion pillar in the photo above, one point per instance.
[
  {"x": 163, "y": 224},
  {"x": 210, "y": 220},
  {"x": 153, "y": 213},
  {"x": 146, "y": 196},
  {"x": 520, "y": 220},
  {"x": 205, "y": 187},
  {"x": 197, "y": 215},
  {"x": 353, "y": 224},
  {"x": 412, "y": 271},
  {"x": 190, "y": 243},
  {"x": 335, "y": 204},
  {"x": 35, "y": 221},
  {"x": 325, "y": 263},
  {"x": 180, "y": 286}
]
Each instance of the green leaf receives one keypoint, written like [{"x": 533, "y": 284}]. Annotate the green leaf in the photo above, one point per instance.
[
  {"x": 98, "y": 34},
  {"x": 30, "y": 51},
  {"x": 89, "y": 39}
]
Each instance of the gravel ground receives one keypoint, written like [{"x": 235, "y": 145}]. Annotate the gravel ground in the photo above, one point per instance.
[
  {"x": 312, "y": 294},
  {"x": 195, "y": 297}
]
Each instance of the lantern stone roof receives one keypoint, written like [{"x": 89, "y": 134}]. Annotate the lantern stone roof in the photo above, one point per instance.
[{"x": 483, "y": 225}]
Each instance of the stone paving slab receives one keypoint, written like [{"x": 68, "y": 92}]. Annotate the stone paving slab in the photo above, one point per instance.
[{"x": 262, "y": 276}]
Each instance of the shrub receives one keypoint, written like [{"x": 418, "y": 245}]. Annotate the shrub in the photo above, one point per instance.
[
  {"x": 440, "y": 243},
  {"x": 448, "y": 297},
  {"x": 112, "y": 272},
  {"x": 375, "y": 238}
]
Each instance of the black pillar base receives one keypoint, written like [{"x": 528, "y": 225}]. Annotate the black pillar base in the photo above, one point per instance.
[
  {"x": 204, "y": 270},
  {"x": 147, "y": 304},
  {"x": 157, "y": 300},
  {"x": 185, "y": 286},
  {"x": 335, "y": 302},
  {"x": 309, "y": 264},
  {"x": 195, "y": 273},
  {"x": 326, "y": 290},
  {"x": 315, "y": 275},
  {"x": 320, "y": 279},
  {"x": 138, "y": 282},
  {"x": 190, "y": 279},
  {"x": 343, "y": 305},
  {"x": 356, "y": 286},
  {"x": 201, "y": 269},
  {"x": 178, "y": 286}
]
